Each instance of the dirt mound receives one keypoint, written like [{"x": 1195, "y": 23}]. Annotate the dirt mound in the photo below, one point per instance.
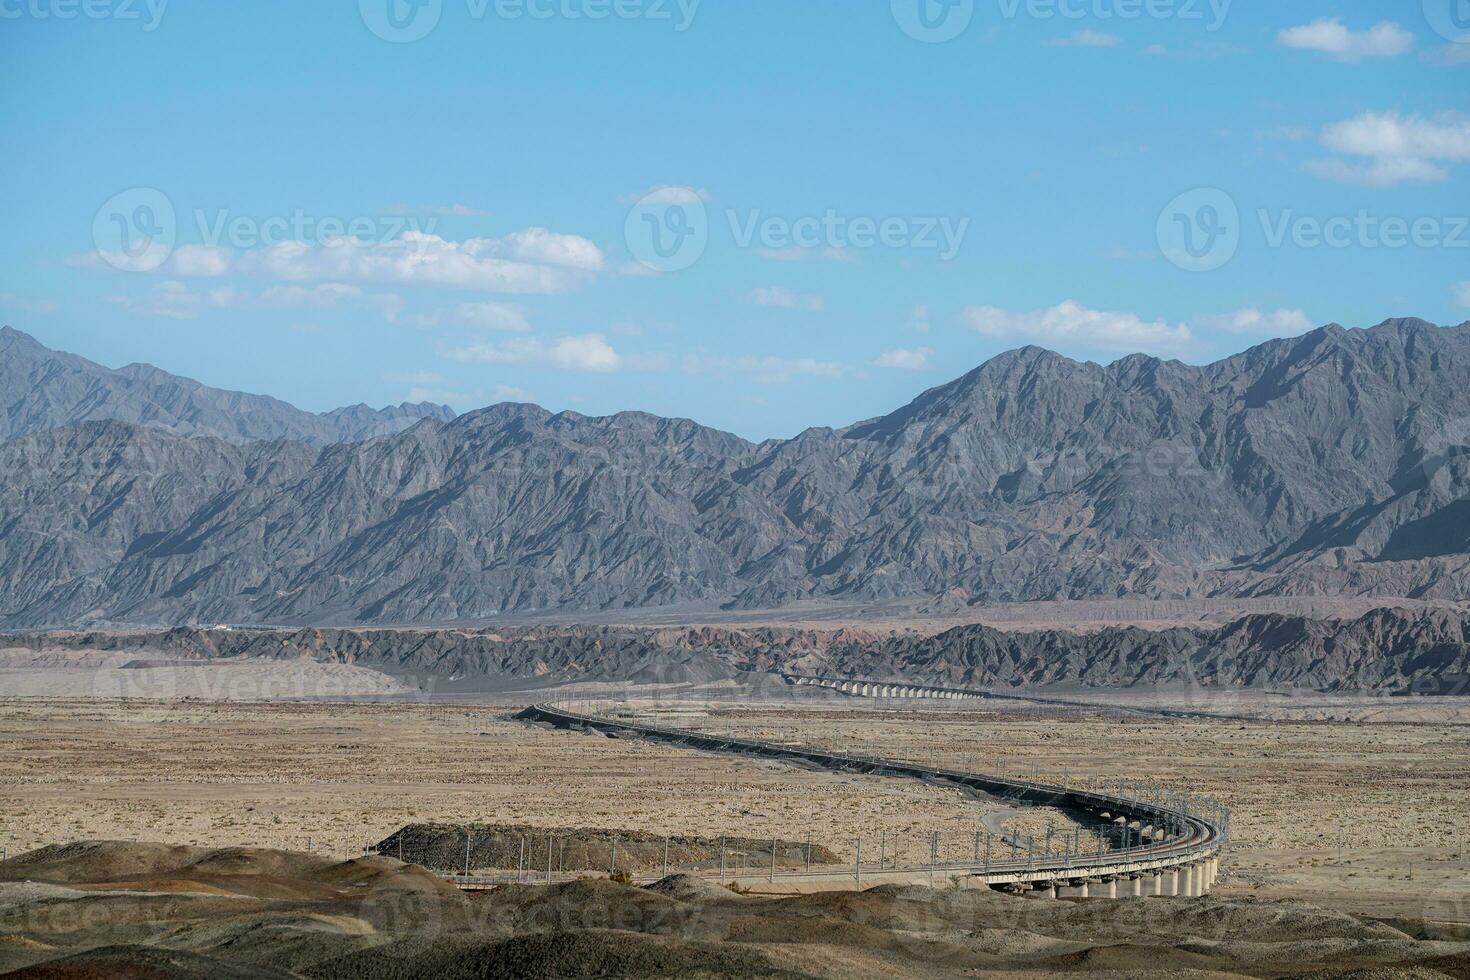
[
  {"x": 92, "y": 862},
  {"x": 687, "y": 888},
  {"x": 592, "y": 953},
  {"x": 376, "y": 918},
  {"x": 143, "y": 963},
  {"x": 450, "y": 847},
  {"x": 255, "y": 872}
]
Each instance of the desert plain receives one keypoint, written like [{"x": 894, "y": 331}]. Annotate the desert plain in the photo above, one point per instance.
[{"x": 1369, "y": 815}]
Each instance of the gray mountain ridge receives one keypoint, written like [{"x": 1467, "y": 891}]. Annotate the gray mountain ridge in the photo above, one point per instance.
[
  {"x": 41, "y": 388},
  {"x": 1336, "y": 463},
  {"x": 1390, "y": 651}
]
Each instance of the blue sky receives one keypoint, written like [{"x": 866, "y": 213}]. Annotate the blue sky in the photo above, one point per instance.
[{"x": 864, "y": 212}]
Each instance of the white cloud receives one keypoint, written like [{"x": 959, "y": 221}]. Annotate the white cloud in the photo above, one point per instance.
[
  {"x": 762, "y": 370},
  {"x": 1157, "y": 50},
  {"x": 27, "y": 305},
  {"x": 1462, "y": 293},
  {"x": 550, "y": 248},
  {"x": 1070, "y": 324},
  {"x": 510, "y": 393},
  {"x": 531, "y": 261},
  {"x": 331, "y": 295},
  {"x": 326, "y": 296},
  {"x": 490, "y": 316},
  {"x": 414, "y": 378},
  {"x": 1087, "y": 39},
  {"x": 1271, "y": 323},
  {"x": 176, "y": 301},
  {"x": 589, "y": 352},
  {"x": 916, "y": 359},
  {"x": 1392, "y": 136},
  {"x": 1397, "y": 148},
  {"x": 784, "y": 299},
  {"x": 199, "y": 261},
  {"x": 1329, "y": 36}
]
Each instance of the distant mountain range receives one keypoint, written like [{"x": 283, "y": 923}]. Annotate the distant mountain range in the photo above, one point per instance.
[
  {"x": 1421, "y": 651},
  {"x": 1336, "y": 463},
  {"x": 41, "y": 388}
]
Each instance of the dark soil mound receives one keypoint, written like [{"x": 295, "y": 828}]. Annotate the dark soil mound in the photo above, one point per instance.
[
  {"x": 449, "y": 847},
  {"x": 593, "y": 953},
  {"x": 144, "y": 963}
]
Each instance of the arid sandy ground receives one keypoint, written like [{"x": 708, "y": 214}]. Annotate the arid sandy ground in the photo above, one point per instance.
[{"x": 1366, "y": 817}]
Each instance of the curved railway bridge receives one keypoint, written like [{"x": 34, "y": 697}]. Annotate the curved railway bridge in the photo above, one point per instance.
[{"x": 1165, "y": 846}]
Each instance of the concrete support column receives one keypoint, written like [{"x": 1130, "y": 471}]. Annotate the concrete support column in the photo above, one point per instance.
[
  {"x": 1169, "y": 883},
  {"x": 1044, "y": 889},
  {"x": 1188, "y": 878},
  {"x": 1135, "y": 886},
  {"x": 1108, "y": 889},
  {"x": 1153, "y": 885}
]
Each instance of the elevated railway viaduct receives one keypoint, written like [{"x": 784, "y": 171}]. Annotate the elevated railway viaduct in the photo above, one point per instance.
[{"x": 1168, "y": 846}]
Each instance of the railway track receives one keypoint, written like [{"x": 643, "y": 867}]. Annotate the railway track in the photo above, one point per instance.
[{"x": 1168, "y": 844}]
